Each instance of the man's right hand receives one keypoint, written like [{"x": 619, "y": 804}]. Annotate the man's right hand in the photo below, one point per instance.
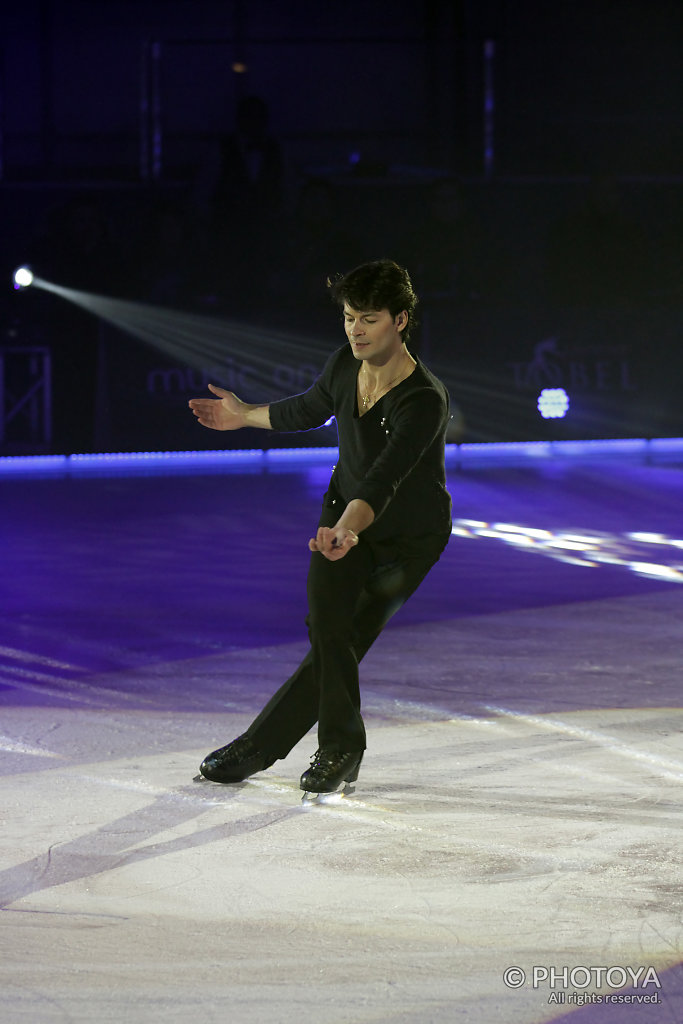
[{"x": 226, "y": 412}]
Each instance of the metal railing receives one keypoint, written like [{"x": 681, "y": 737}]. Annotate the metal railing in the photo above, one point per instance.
[{"x": 26, "y": 391}]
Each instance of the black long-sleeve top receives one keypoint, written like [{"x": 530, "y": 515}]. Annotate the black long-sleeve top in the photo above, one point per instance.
[{"x": 393, "y": 456}]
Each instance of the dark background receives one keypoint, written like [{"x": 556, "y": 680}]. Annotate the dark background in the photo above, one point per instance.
[{"x": 523, "y": 159}]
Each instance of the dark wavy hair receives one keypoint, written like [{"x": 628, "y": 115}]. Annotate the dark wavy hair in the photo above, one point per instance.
[{"x": 380, "y": 284}]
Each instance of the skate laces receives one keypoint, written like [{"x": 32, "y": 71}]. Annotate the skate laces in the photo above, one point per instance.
[
  {"x": 239, "y": 750},
  {"x": 326, "y": 758}
]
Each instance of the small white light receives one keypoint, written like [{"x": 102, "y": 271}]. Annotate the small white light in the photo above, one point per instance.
[
  {"x": 553, "y": 403},
  {"x": 666, "y": 572},
  {"x": 23, "y": 277},
  {"x": 528, "y": 531}
]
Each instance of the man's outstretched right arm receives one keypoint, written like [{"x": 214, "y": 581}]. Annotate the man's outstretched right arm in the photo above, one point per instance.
[{"x": 228, "y": 412}]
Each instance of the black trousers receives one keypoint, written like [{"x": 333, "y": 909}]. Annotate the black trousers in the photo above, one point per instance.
[{"x": 349, "y": 603}]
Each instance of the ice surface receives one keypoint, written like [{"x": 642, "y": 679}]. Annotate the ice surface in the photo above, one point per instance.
[{"x": 519, "y": 804}]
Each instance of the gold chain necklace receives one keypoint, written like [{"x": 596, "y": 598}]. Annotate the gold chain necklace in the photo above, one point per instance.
[{"x": 369, "y": 400}]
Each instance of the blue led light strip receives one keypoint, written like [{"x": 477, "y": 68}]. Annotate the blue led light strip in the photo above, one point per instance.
[{"x": 236, "y": 457}]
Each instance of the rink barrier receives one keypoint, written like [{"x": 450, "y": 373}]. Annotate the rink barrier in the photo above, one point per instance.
[{"x": 457, "y": 456}]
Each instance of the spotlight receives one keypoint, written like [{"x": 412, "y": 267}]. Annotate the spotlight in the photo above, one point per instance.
[
  {"x": 553, "y": 403},
  {"x": 23, "y": 277}
]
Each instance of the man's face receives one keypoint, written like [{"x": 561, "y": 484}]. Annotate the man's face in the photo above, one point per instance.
[{"x": 374, "y": 335}]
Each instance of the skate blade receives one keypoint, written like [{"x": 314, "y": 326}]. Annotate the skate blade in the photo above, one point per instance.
[{"x": 310, "y": 799}]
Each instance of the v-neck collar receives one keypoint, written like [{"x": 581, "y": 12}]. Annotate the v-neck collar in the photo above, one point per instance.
[{"x": 357, "y": 414}]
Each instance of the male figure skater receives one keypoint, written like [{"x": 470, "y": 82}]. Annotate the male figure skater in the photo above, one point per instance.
[{"x": 385, "y": 520}]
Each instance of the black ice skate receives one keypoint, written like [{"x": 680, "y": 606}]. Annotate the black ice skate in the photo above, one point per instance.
[
  {"x": 329, "y": 768},
  {"x": 234, "y": 762}
]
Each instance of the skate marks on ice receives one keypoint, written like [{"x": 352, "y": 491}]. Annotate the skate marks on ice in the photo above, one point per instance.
[{"x": 469, "y": 844}]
